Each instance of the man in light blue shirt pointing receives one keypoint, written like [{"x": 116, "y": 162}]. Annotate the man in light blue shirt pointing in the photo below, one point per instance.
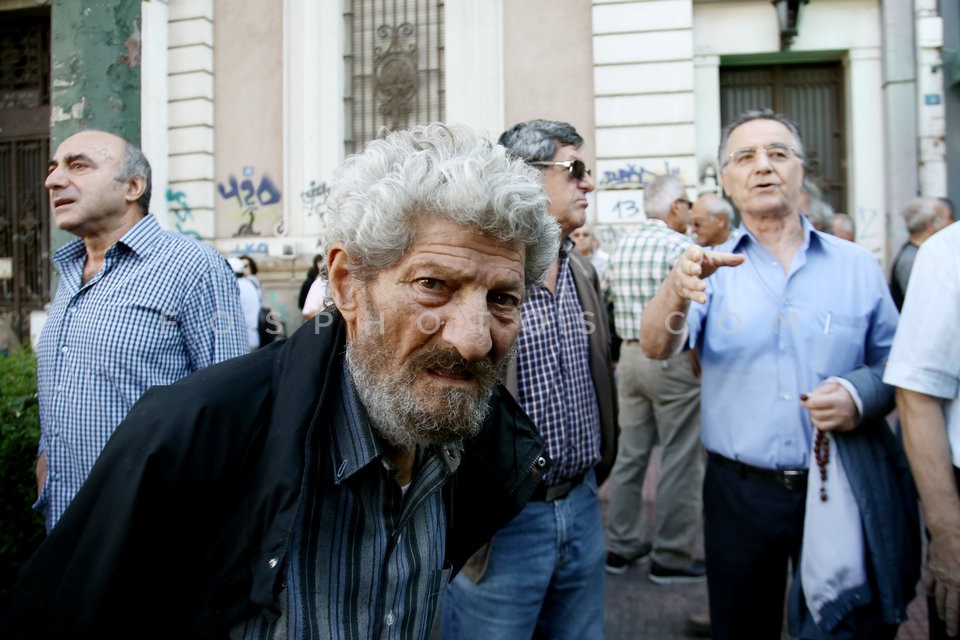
[{"x": 792, "y": 342}]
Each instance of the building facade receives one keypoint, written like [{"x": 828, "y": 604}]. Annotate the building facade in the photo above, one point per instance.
[{"x": 247, "y": 107}]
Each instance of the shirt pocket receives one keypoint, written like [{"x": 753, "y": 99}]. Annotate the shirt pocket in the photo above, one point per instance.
[{"x": 836, "y": 343}]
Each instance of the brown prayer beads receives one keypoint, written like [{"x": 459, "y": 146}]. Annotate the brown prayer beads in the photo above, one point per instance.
[{"x": 821, "y": 449}]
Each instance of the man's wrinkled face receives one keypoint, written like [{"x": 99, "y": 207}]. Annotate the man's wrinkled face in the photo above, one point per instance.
[
  {"x": 568, "y": 195},
  {"x": 85, "y": 196},
  {"x": 432, "y": 334},
  {"x": 584, "y": 241},
  {"x": 762, "y": 173},
  {"x": 710, "y": 229}
]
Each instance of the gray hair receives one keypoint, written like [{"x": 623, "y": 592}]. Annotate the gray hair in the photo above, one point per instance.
[
  {"x": 760, "y": 114},
  {"x": 718, "y": 205},
  {"x": 844, "y": 222},
  {"x": 135, "y": 165},
  {"x": 948, "y": 203},
  {"x": 920, "y": 211},
  {"x": 537, "y": 140},
  {"x": 660, "y": 194},
  {"x": 449, "y": 171},
  {"x": 819, "y": 212}
]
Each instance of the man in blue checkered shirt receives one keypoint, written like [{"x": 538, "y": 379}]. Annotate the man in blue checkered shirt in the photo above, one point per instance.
[
  {"x": 137, "y": 306},
  {"x": 542, "y": 575}
]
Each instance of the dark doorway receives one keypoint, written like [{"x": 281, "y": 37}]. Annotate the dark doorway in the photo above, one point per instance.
[
  {"x": 811, "y": 95},
  {"x": 24, "y": 152}
]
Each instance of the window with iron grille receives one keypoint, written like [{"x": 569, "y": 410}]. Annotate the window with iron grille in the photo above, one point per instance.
[
  {"x": 394, "y": 66},
  {"x": 24, "y": 64}
]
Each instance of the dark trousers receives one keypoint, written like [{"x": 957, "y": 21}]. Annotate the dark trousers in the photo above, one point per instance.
[
  {"x": 753, "y": 529},
  {"x": 938, "y": 630}
]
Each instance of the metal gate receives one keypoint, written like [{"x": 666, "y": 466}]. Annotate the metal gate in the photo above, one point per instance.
[
  {"x": 24, "y": 153},
  {"x": 811, "y": 95},
  {"x": 24, "y": 231},
  {"x": 394, "y": 66}
]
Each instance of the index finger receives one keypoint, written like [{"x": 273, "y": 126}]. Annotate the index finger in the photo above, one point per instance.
[{"x": 719, "y": 259}]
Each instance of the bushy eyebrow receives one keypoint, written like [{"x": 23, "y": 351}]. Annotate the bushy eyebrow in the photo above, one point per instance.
[{"x": 73, "y": 157}]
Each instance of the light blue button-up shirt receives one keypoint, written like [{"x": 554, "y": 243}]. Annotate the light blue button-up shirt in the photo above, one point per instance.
[{"x": 765, "y": 336}]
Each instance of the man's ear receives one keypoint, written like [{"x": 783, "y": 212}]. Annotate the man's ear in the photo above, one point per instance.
[
  {"x": 342, "y": 287},
  {"x": 135, "y": 188}
]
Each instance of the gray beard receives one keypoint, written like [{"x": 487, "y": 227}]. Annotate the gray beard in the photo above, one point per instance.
[{"x": 405, "y": 418}]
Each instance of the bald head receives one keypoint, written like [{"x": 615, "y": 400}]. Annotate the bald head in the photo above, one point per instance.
[{"x": 98, "y": 183}]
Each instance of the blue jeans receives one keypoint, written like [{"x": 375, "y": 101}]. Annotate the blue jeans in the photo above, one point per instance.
[{"x": 544, "y": 579}]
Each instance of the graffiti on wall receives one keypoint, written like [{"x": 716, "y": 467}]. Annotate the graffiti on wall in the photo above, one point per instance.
[
  {"x": 252, "y": 196},
  {"x": 250, "y": 247},
  {"x": 608, "y": 236},
  {"x": 633, "y": 175},
  {"x": 870, "y": 230},
  {"x": 181, "y": 212},
  {"x": 314, "y": 199}
]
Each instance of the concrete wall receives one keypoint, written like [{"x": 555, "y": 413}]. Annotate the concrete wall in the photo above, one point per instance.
[
  {"x": 190, "y": 118},
  {"x": 248, "y": 117},
  {"x": 646, "y": 120},
  {"x": 548, "y": 65}
]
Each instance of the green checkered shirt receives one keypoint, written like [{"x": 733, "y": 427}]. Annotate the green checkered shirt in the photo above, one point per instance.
[{"x": 641, "y": 261}]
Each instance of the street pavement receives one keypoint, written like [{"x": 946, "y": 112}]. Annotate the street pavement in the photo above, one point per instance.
[{"x": 637, "y": 609}]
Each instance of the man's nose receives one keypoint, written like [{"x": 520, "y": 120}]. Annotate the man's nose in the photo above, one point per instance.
[
  {"x": 586, "y": 183},
  {"x": 54, "y": 179},
  {"x": 467, "y": 329},
  {"x": 761, "y": 161}
]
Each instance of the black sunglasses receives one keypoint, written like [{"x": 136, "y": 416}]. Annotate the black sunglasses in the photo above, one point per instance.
[{"x": 576, "y": 167}]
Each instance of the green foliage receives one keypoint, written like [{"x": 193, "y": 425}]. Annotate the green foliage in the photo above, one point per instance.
[{"x": 21, "y": 529}]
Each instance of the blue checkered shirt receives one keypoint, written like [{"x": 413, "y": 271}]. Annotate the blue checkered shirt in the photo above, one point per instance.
[
  {"x": 639, "y": 264},
  {"x": 555, "y": 387},
  {"x": 163, "y": 306}
]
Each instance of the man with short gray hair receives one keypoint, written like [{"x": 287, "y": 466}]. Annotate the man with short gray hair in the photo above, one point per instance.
[
  {"x": 712, "y": 219},
  {"x": 923, "y": 217},
  {"x": 659, "y": 403},
  {"x": 844, "y": 227},
  {"x": 792, "y": 328}
]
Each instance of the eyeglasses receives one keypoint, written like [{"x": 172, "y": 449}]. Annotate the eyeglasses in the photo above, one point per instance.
[
  {"x": 776, "y": 152},
  {"x": 576, "y": 167}
]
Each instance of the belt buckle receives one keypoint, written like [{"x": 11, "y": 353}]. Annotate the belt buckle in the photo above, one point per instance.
[
  {"x": 557, "y": 491},
  {"x": 793, "y": 479}
]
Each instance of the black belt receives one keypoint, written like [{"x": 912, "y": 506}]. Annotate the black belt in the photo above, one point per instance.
[
  {"x": 790, "y": 479},
  {"x": 543, "y": 493}
]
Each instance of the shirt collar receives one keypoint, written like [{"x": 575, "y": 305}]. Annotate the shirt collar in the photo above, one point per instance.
[
  {"x": 356, "y": 446},
  {"x": 738, "y": 242},
  {"x": 359, "y": 445},
  {"x": 140, "y": 238}
]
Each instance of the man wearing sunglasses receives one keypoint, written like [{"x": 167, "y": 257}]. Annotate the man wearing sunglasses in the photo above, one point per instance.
[{"x": 543, "y": 575}]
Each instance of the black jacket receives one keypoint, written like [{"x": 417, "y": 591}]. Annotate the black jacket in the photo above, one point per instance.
[{"x": 182, "y": 527}]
